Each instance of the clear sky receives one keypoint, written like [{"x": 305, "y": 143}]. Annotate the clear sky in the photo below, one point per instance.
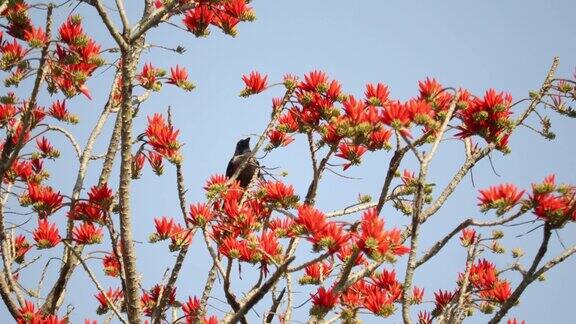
[{"x": 506, "y": 45}]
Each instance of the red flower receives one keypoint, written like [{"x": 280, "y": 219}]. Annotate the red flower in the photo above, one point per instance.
[
  {"x": 397, "y": 116},
  {"x": 181, "y": 237},
  {"x": 323, "y": 301},
  {"x": 377, "y": 243},
  {"x": 138, "y": 161},
  {"x": 200, "y": 214},
  {"x": 231, "y": 248},
  {"x": 90, "y": 53},
  {"x": 7, "y": 111},
  {"x": 429, "y": 89},
  {"x": 554, "y": 204},
  {"x": 421, "y": 112},
  {"x": 111, "y": 265},
  {"x": 255, "y": 83},
  {"x": 417, "y": 295},
  {"x": 45, "y": 200},
  {"x": 165, "y": 228},
  {"x": 156, "y": 162},
  {"x": 424, "y": 317},
  {"x": 331, "y": 237},
  {"x": 442, "y": 299},
  {"x": 380, "y": 139},
  {"x": 268, "y": 244},
  {"x": 149, "y": 299},
  {"x": 46, "y": 235},
  {"x": 239, "y": 9},
  {"x": 379, "y": 302},
  {"x": 277, "y": 192},
  {"x": 468, "y": 237},
  {"x": 345, "y": 253},
  {"x": 515, "y": 321},
  {"x": 315, "y": 81},
  {"x": 12, "y": 53},
  {"x": 350, "y": 152},
  {"x": 501, "y": 292},
  {"x": 21, "y": 247},
  {"x": 282, "y": 227},
  {"x": 28, "y": 312},
  {"x": 101, "y": 195},
  {"x": 46, "y": 148},
  {"x": 376, "y": 95},
  {"x": 226, "y": 22},
  {"x": 114, "y": 296},
  {"x": 59, "y": 111},
  {"x": 316, "y": 273},
  {"x": 502, "y": 197},
  {"x": 86, "y": 211},
  {"x": 71, "y": 31},
  {"x": 210, "y": 320},
  {"x": 148, "y": 78},
  {"x": 287, "y": 122},
  {"x": 163, "y": 138},
  {"x": 354, "y": 110},
  {"x": 36, "y": 37},
  {"x": 483, "y": 275},
  {"x": 278, "y": 138},
  {"x": 197, "y": 20},
  {"x": 190, "y": 309},
  {"x": 311, "y": 219},
  {"x": 87, "y": 233},
  {"x": 489, "y": 118},
  {"x": 179, "y": 78}
]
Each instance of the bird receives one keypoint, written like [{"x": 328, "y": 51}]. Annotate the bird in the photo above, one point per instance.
[{"x": 241, "y": 153}]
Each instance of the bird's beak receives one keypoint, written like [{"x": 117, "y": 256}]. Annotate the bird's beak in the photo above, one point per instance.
[{"x": 247, "y": 139}]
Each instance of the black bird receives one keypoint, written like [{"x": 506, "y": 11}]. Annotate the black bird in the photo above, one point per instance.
[{"x": 240, "y": 155}]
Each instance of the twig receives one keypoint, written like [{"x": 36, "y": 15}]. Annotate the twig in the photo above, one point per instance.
[{"x": 96, "y": 283}]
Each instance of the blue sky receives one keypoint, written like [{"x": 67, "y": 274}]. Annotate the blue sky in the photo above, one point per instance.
[{"x": 506, "y": 45}]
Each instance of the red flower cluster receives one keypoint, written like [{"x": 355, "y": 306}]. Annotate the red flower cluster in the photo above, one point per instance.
[
  {"x": 29, "y": 314},
  {"x": 357, "y": 125},
  {"x": 149, "y": 299},
  {"x": 554, "y": 203},
  {"x": 200, "y": 214},
  {"x": 255, "y": 83},
  {"x": 115, "y": 296},
  {"x": 315, "y": 273},
  {"x": 59, "y": 111},
  {"x": 21, "y": 247},
  {"x": 149, "y": 77},
  {"x": 44, "y": 200},
  {"x": 488, "y": 118},
  {"x": 163, "y": 138},
  {"x": 325, "y": 235},
  {"x": 46, "y": 235},
  {"x": 74, "y": 62},
  {"x": 278, "y": 194},
  {"x": 179, "y": 78},
  {"x": 87, "y": 233},
  {"x": 225, "y": 15},
  {"x": 111, "y": 265},
  {"x": 190, "y": 309},
  {"x": 502, "y": 198},
  {"x": 46, "y": 149},
  {"x": 484, "y": 279},
  {"x": 377, "y": 243},
  {"x": 468, "y": 237},
  {"x": 323, "y": 301},
  {"x": 166, "y": 228}
]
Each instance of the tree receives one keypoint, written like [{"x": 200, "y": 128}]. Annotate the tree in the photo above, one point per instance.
[{"x": 261, "y": 227}]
